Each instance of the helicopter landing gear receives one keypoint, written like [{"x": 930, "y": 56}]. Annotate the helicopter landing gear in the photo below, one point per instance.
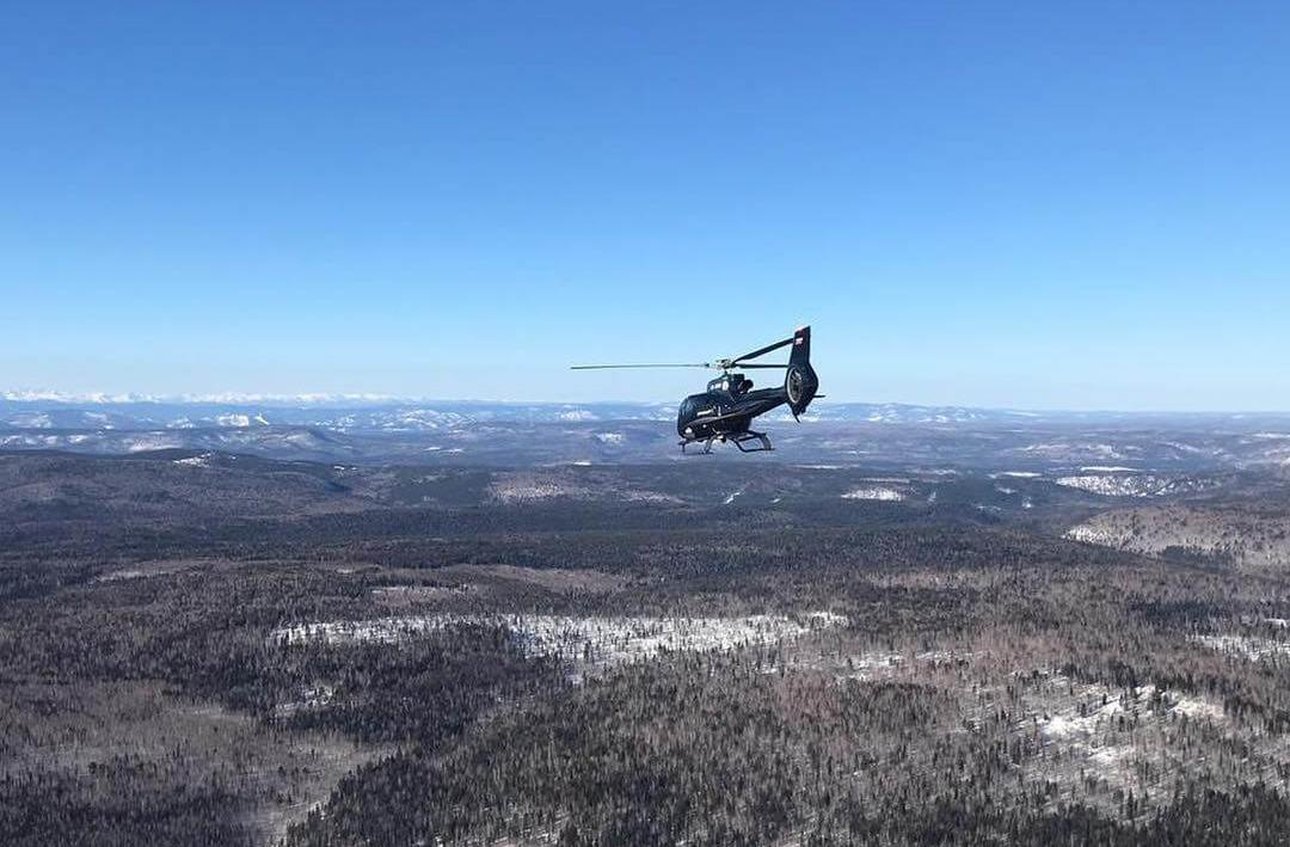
[
  {"x": 742, "y": 438},
  {"x": 747, "y": 442}
]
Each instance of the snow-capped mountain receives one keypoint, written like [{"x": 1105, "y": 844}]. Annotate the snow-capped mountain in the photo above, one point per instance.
[{"x": 349, "y": 427}]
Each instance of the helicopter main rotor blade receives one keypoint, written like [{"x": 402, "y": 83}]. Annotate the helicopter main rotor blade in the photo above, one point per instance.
[
  {"x": 719, "y": 364},
  {"x": 742, "y": 366},
  {"x": 660, "y": 365},
  {"x": 762, "y": 351}
]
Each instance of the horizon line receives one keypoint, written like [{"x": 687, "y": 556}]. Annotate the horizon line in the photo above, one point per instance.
[{"x": 317, "y": 398}]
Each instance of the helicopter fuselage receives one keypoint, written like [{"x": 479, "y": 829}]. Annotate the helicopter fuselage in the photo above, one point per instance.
[{"x": 720, "y": 410}]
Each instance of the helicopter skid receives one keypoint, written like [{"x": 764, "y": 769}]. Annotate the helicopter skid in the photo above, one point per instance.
[{"x": 739, "y": 439}]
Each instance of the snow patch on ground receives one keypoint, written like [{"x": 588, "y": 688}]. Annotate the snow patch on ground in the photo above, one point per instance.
[
  {"x": 1061, "y": 449},
  {"x": 589, "y": 642},
  {"x": 1092, "y": 535},
  {"x": 527, "y": 487},
  {"x": 1111, "y": 757},
  {"x": 153, "y": 441},
  {"x": 413, "y": 420},
  {"x": 310, "y": 698},
  {"x": 128, "y": 573},
  {"x": 1107, "y": 486},
  {"x": 519, "y": 492},
  {"x": 880, "y": 664},
  {"x": 202, "y": 461},
  {"x": 1184, "y": 448},
  {"x": 1134, "y": 484},
  {"x": 874, "y": 492},
  {"x": 1197, "y": 708},
  {"x": 38, "y": 420},
  {"x": 1246, "y": 646},
  {"x": 867, "y": 666},
  {"x": 1074, "y": 723},
  {"x": 1108, "y": 732}
]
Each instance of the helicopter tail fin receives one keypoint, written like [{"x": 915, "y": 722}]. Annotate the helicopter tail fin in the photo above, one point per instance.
[
  {"x": 801, "y": 352},
  {"x": 801, "y": 381}
]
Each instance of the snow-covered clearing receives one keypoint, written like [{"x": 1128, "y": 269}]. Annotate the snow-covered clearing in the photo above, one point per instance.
[
  {"x": 1245, "y": 646},
  {"x": 521, "y": 492},
  {"x": 529, "y": 487},
  {"x": 874, "y": 492},
  {"x": 1108, "y": 735},
  {"x": 1083, "y": 724},
  {"x": 1093, "y": 535},
  {"x": 151, "y": 441},
  {"x": 1107, "y": 486},
  {"x": 1135, "y": 484},
  {"x": 127, "y": 573},
  {"x": 596, "y": 642}
]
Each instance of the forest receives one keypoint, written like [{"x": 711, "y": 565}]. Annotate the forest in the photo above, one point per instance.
[{"x": 302, "y": 654}]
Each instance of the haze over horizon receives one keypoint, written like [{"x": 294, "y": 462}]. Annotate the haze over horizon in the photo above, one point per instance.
[
  {"x": 988, "y": 205},
  {"x": 322, "y": 400}
]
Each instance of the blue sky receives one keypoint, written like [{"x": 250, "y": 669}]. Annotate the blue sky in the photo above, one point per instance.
[{"x": 1051, "y": 205}]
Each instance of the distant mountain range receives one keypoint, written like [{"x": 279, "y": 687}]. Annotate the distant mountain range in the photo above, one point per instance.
[
  {"x": 380, "y": 413},
  {"x": 345, "y": 428}
]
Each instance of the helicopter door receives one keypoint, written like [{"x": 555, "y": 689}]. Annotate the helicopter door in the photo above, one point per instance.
[{"x": 691, "y": 413}]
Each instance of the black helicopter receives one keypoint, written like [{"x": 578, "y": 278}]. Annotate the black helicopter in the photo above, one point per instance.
[{"x": 726, "y": 410}]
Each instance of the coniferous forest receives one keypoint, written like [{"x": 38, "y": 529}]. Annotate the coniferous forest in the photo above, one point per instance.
[{"x": 248, "y": 651}]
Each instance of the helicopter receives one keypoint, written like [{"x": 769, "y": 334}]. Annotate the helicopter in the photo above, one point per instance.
[{"x": 725, "y": 411}]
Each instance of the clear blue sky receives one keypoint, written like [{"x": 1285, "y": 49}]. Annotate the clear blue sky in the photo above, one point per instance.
[{"x": 1060, "y": 205}]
